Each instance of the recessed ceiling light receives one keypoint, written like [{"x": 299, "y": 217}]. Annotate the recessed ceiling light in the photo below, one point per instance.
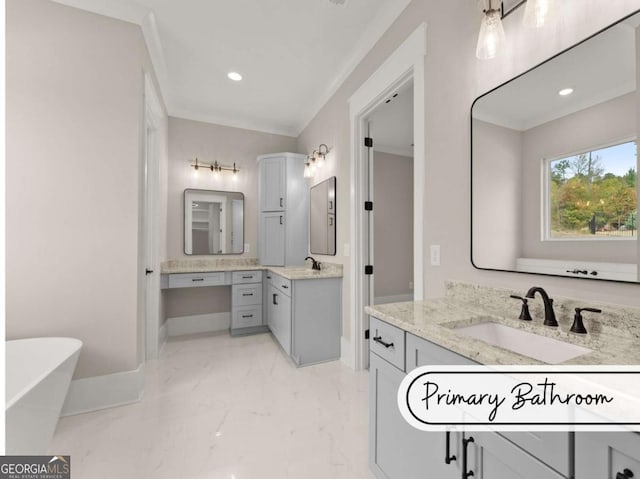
[
  {"x": 235, "y": 76},
  {"x": 565, "y": 91}
]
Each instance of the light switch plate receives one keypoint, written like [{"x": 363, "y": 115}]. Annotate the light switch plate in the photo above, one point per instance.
[{"x": 435, "y": 255}]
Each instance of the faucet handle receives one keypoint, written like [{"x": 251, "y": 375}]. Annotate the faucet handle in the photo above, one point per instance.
[
  {"x": 525, "y": 315},
  {"x": 578, "y": 325}
]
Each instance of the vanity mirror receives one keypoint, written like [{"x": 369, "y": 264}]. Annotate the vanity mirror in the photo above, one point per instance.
[
  {"x": 323, "y": 217},
  {"x": 554, "y": 164},
  {"x": 213, "y": 222}
]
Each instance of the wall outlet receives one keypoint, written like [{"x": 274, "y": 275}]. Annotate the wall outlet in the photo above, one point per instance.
[
  {"x": 435, "y": 255},
  {"x": 247, "y": 248}
]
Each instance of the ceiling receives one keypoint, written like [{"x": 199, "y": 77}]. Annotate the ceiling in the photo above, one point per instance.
[
  {"x": 598, "y": 70},
  {"x": 293, "y": 54},
  {"x": 391, "y": 123}
]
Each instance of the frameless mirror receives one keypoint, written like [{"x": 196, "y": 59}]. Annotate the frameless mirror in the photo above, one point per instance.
[
  {"x": 213, "y": 222},
  {"x": 554, "y": 164},
  {"x": 323, "y": 217}
]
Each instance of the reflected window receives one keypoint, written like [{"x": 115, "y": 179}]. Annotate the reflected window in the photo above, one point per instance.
[{"x": 593, "y": 195}]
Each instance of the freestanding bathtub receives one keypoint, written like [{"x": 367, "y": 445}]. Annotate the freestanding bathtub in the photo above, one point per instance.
[{"x": 38, "y": 373}]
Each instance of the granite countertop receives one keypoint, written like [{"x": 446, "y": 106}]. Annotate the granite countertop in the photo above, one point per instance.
[
  {"x": 614, "y": 337},
  {"x": 329, "y": 270}
]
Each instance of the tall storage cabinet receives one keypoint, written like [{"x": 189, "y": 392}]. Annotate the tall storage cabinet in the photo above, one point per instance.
[{"x": 283, "y": 224}]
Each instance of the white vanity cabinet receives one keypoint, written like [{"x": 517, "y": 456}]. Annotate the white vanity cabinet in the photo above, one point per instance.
[
  {"x": 283, "y": 223},
  {"x": 607, "y": 455},
  {"x": 398, "y": 451},
  {"x": 246, "y": 302},
  {"x": 305, "y": 317}
]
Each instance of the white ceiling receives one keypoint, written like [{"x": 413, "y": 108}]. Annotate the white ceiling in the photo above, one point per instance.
[
  {"x": 391, "y": 123},
  {"x": 293, "y": 54},
  {"x": 598, "y": 70}
]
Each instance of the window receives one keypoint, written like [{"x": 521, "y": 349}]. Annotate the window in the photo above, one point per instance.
[{"x": 593, "y": 195}]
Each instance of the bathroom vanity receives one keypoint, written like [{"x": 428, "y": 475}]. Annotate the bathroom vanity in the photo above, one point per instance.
[{"x": 407, "y": 335}]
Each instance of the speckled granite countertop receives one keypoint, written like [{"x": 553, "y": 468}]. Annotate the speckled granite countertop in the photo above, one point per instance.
[
  {"x": 329, "y": 270},
  {"x": 613, "y": 337}
]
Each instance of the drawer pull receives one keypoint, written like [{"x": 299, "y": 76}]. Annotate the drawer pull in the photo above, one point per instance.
[
  {"x": 247, "y": 315},
  {"x": 447, "y": 453},
  {"x": 465, "y": 442},
  {"x": 197, "y": 279},
  {"x": 275, "y": 299},
  {"x": 626, "y": 474},
  {"x": 268, "y": 277},
  {"x": 285, "y": 286},
  {"x": 247, "y": 294},
  {"x": 249, "y": 276},
  {"x": 378, "y": 339}
]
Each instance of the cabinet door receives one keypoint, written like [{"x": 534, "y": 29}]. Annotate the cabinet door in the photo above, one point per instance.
[
  {"x": 491, "y": 456},
  {"x": 604, "y": 455},
  {"x": 397, "y": 450},
  {"x": 272, "y": 239},
  {"x": 273, "y": 184},
  {"x": 280, "y": 317}
]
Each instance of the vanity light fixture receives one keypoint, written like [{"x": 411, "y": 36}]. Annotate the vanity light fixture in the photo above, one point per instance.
[
  {"x": 565, "y": 91},
  {"x": 539, "y": 13},
  {"x": 214, "y": 167},
  {"x": 491, "y": 37},
  {"x": 321, "y": 154}
]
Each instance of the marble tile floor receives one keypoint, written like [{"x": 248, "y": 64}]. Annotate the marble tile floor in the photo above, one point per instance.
[{"x": 218, "y": 407}]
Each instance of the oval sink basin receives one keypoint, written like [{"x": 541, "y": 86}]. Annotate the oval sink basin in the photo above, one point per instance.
[{"x": 548, "y": 350}]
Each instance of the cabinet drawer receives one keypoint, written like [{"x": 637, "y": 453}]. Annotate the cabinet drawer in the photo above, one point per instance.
[
  {"x": 421, "y": 352},
  {"x": 240, "y": 277},
  {"x": 607, "y": 454},
  {"x": 283, "y": 284},
  {"x": 552, "y": 448},
  {"x": 387, "y": 341},
  {"x": 246, "y": 316},
  {"x": 246, "y": 294},
  {"x": 190, "y": 280}
]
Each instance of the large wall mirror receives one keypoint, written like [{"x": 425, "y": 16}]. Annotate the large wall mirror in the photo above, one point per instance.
[
  {"x": 213, "y": 222},
  {"x": 554, "y": 164},
  {"x": 322, "y": 220}
]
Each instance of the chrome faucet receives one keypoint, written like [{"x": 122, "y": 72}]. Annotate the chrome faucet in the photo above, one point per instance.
[
  {"x": 316, "y": 264},
  {"x": 549, "y": 315}
]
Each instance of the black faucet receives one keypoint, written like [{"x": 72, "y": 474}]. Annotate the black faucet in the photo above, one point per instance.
[
  {"x": 316, "y": 264},
  {"x": 549, "y": 315}
]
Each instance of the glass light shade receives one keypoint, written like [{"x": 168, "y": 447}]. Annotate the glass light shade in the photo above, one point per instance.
[
  {"x": 491, "y": 38},
  {"x": 539, "y": 13},
  {"x": 307, "y": 170}
]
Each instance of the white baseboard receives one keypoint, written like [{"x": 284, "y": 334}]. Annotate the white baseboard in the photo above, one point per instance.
[
  {"x": 347, "y": 355},
  {"x": 101, "y": 392},
  {"x": 198, "y": 323},
  {"x": 398, "y": 298}
]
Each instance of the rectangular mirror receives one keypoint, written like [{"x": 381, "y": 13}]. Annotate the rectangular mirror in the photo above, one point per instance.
[
  {"x": 554, "y": 164},
  {"x": 322, "y": 220},
  {"x": 213, "y": 222}
]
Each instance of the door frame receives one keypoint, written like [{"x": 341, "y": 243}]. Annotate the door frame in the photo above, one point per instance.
[
  {"x": 405, "y": 63},
  {"x": 153, "y": 118}
]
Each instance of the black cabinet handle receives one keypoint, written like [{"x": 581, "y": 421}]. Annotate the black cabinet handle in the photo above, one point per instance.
[
  {"x": 247, "y": 277},
  {"x": 247, "y": 315},
  {"x": 330, "y": 204},
  {"x": 330, "y": 221},
  {"x": 447, "y": 453},
  {"x": 378, "y": 339},
  {"x": 275, "y": 298},
  {"x": 148, "y": 271},
  {"x": 626, "y": 474},
  {"x": 465, "y": 442},
  {"x": 285, "y": 286},
  {"x": 247, "y": 294},
  {"x": 281, "y": 202},
  {"x": 197, "y": 279},
  {"x": 280, "y": 219},
  {"x": 268, "y": 277}
]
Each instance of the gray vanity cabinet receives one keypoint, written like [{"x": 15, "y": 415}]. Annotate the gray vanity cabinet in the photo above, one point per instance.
[
  {"x": 283, "y": 222},
  {"x": 279, "y": 314},
  {"x": 601, "y": 455}
]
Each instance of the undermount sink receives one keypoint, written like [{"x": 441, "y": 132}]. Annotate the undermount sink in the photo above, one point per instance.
[{"x": 548, "y": 350}]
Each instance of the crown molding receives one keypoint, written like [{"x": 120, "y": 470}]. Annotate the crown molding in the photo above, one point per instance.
[
  {"x": 381, "y": 23},
  {"x": 210, "y": 118},
  {"x": 121, "y": 9}
]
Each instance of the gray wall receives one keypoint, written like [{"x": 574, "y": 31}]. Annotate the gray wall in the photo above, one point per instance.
[
  {"x": 497, "y": 195},
  {"x": 453, "y": 79},
  {"x": 74, "y": 112},
  {"x": 189, "y": 139},
  {"x": 393, "y": 224}
]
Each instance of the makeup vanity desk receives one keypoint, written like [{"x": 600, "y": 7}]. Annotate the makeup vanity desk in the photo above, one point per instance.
[{"x": 301, "y": 307}]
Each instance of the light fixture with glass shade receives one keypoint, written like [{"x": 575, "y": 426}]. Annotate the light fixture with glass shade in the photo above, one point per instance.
[
  {"x": 215, "y": 167},
  {"x": 491, "y": 38},
  {"x": 538, "y": 13}
]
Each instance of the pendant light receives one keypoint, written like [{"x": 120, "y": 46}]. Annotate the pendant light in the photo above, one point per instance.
[
  {"x": 491, "y": 38},
  {"x": 538, "y": 13}
]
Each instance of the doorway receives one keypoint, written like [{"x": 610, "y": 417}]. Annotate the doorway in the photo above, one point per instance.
[{"x": 404, "y": 67}]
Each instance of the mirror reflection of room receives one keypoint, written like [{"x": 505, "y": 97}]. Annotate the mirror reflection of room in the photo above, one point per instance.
[{"x": 560, "y": 141}]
